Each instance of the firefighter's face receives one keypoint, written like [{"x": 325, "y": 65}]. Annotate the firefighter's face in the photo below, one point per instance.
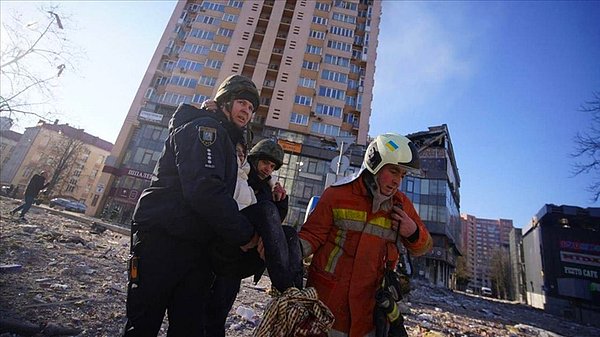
[
  {"x": 389, "y": 178},
  {"x": 241, "y": 112}
]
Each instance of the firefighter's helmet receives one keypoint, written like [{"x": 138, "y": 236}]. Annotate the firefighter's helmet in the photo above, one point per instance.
[
  {"x": 391, "y": 148},
  {"x": 267, "y": 149},
  {"x": 237, "y": 87}
]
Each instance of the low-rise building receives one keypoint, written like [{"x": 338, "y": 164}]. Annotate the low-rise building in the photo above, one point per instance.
[
  {"x": 73, "y": 158},
  {"x": 562, "y": 262}
]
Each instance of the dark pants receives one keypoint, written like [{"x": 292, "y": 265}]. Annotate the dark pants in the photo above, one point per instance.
[
  {"x": 173, "y": 276},
  {"x": 283, "y": 262},
  {"x": 29, "y": 199}
]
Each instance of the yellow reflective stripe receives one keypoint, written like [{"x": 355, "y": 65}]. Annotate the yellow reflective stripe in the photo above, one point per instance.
[
  {"x": 336, "y": 252},
  {"x": 381, "y": 222},
  {"x": 349, "y": 214},
  {"x": 392, "y": 316}
]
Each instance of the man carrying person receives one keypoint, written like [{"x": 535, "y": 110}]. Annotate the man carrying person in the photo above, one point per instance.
[{"x": 188, "y": 205}]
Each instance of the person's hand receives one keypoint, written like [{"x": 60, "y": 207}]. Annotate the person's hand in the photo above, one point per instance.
[
  {"x": 251, "y": 244},
  {"x": 401, "y": 220},
  {"x": 261, "y": 249},
  {"x": 279, "y": 192},
  {"x": 209, "y": 104}
]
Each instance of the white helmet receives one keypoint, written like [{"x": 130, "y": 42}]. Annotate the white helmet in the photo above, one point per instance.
[{"x": 391, "y": 148}]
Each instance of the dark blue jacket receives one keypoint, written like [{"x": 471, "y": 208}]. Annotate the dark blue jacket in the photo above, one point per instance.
[
  {"x": 36, "y": 184},
  {"x": 263, "y": 191},
  {"x": 191, "y": 194}
]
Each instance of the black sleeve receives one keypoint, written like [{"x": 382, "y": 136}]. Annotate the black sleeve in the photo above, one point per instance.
[
  {"x": 282, "y": 207},
  {"x": 203, "y": 168}
]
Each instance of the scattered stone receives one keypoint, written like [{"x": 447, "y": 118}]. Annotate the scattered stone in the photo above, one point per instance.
[{"x": 74, "y": 274}]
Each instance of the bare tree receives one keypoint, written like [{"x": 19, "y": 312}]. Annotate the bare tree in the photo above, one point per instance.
[
  {"x": 35, "y": 53},
  {"x": 500, "y": 272},
  {"x": 588, "y": 146},
  {"x": 64, "y": 158},
  {"x": 463, "y": 276}
]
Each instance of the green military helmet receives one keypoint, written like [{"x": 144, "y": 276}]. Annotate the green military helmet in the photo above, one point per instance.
[
  {"x": 237, "y": 87},
  {"x": 267, "y": 149}
]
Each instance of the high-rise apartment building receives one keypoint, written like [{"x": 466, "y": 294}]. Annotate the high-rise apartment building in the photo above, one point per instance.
[
  {"x": 483, "y": 240},
  {"x": 314, "y": 65}
]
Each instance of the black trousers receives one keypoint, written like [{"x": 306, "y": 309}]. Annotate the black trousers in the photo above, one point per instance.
[
  {"x": 283, "y": 262},
  {"x": 173, "y": 276}
]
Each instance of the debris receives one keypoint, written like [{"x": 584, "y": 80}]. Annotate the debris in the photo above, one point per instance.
[{"x": 77, "y": 279}]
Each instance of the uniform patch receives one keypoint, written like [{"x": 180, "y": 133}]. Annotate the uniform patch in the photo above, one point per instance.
[{"x": 207, "y": 135}]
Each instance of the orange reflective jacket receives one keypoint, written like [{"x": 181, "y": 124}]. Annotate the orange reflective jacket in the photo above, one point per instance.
[{"x": 351, "y": 246}]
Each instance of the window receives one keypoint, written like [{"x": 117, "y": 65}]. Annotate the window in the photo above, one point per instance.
[
  {"x": 218, "y": 47},
  {"x": 310, "y": 49},
  {"x": 337, "y": 60},
  {"x": 225, "y": 32},
  {"x": 195, "y": 48},
  {"x": 319, "y": 20},
  {"x": 207, "y": 81},
  {"x": 207, "y": 19},
  {"x": 168, "y": 65},
  {"x": 322, "y": 6},
  {"x": 171, "y": 98},
  {"x": 344, "y": 4},
  {"x": 189, "y": 65},
  {"x": 297, "y": 118},
  {"x": 334, "y": 76},
  {"x": 202, "y": 34},
  {"x": 325, "y": 129},
  {"x": 213, "y": 6},
  {"x": 343, "y": 46},
  {"x": 307, "y": 82},
  {"x": 332, "y": 93},
  {"x": 344, "y": 18},
  {"x": 235, "y": 3},
  {"x": 198, "y": 98},
  {"x": 329, "y": 110},
  {"x": 214, "y": 64},
  {"x": 303, "y": 100},
  {"x": 183, "y": 81},
  {"x": 317, "y": 34},
  {"x": 310, "y": 65},
  {"x": 230, "y": 17},
  {"x": 341, "y": 31}
]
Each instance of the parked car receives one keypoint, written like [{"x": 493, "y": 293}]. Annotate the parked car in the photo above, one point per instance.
[
  {"x": 76, "y": 206},
  {"x": 61, "y": 202}
]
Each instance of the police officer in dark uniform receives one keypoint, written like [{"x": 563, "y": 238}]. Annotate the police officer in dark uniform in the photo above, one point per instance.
[{"x": 188, "y": 204}]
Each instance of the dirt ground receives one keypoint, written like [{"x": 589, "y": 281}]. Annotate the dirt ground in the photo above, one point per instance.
[{"x": 60, "y": 270}]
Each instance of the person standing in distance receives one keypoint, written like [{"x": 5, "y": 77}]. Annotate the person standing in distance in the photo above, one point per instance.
[
  {"x": 36, "y": 184},
  {"x": 188, "y": 205}
]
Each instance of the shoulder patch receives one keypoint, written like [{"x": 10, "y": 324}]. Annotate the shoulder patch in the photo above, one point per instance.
[{"x": 207, "y": 135}]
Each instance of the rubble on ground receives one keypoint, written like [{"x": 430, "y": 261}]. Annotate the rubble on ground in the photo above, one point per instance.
[{"x": 58, "y": 272}]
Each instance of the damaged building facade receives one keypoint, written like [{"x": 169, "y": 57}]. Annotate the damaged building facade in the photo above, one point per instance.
[{"x": 435, "y": 194}]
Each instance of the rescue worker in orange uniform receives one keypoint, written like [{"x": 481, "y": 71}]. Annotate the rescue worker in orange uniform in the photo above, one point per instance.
[{"x": 355, "y": 232}]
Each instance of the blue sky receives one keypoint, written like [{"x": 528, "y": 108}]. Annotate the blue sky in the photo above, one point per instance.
[{"x": 506, "y": 77}]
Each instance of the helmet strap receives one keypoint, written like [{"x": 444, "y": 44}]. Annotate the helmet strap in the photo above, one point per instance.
[{"x": 380, "y": 201}]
